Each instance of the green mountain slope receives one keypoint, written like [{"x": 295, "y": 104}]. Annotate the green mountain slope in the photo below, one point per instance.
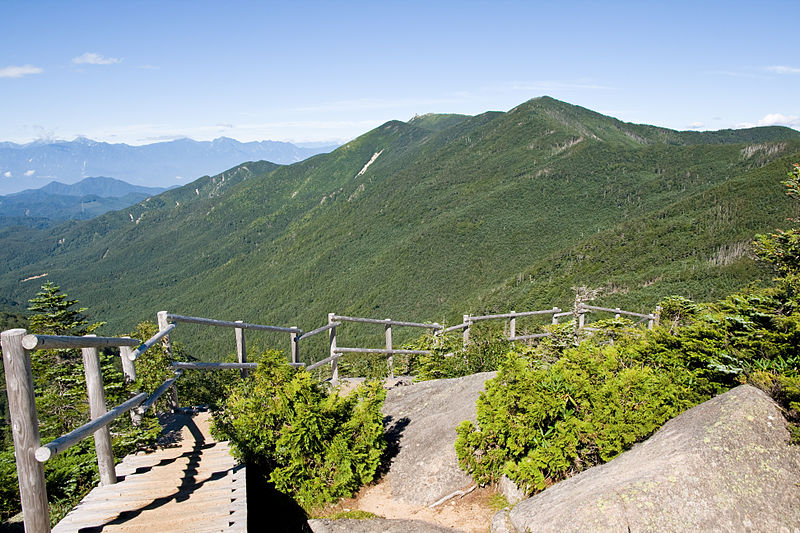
[{"x": 428, "y": 220}]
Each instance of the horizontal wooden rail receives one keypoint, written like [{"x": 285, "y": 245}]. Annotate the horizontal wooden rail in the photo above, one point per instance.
[
  {"x": 214, "y": 366},
  {"x": 323, "y": 361},
  {"x": 146, "y": 345},
  {"x": 516, "y": 314},
  {"x": 318, "y": 330},
  {"x": 528, "y": 337},
  {"x": 223, "y": 366},
  {"x": 229, "y": 324},
  {"x": 381, "y": 350},
  {"x": 149, "y": 402},
  {"x": 452, "y": 328},
  {"x": 60, "y": 444},
  {"x": 47, "y": 342},
  {"x": 616, "y": 311},
  {"x": 386, "y": 322},
  {"x": 565, "y": 313}
]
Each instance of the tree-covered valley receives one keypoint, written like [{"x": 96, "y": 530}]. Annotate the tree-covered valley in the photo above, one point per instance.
[{"x": 429, "y": 219}]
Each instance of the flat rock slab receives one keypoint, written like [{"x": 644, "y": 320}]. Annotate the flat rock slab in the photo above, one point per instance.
[
  {"x": 376, "y": 524},
  {"x": 724, "y": 465},
  {"x": 421, "y": 421}
]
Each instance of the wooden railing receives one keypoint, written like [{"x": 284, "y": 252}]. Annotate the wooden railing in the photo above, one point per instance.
[
  {"x": 335, "y": 351},
  {"x": 30, "y": 454},
  {"x": 468, "y": 321}
]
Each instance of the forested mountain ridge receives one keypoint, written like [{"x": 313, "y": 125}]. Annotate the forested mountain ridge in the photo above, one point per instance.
[
  {"x": 430, "y": 219},
  {"x": 57, "y": 202}
]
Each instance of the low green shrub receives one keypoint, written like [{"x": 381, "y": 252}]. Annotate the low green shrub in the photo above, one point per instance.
[
  {"x": 315, "y": 445},
  {"x": 540, "y": 422},
  {"x": 554, "y": 411}
]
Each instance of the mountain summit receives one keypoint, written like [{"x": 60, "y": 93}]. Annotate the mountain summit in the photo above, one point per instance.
[{"x": 432, "y": 218}]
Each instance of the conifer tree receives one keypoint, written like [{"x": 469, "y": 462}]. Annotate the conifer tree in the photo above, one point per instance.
[
  {"x": 53, "y": 313},
  {"x": 58, "y": 374}
]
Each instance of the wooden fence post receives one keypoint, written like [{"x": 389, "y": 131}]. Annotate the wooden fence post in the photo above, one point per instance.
[
  {"x": 97, "y": 408},
  {"x": 25, "y": 430},
  {"x": 466, "y": 330},
  {"x": 656, "y": 320},
  {"x": 167, "y": 342},
  {"x": 389, "y": 359},
  {"x": 332, "y": 342},
  {"x": 295, "y": 348},
  {"x": 128, "y": 368},
  {"x": 512, "y": 327},
  {"x": 616, "y": 316},
  {"x": 555, "y": 318},
  {"x": 241, "y": 349}
]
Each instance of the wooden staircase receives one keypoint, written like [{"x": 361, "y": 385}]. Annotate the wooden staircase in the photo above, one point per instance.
[{"x": 190, "y": 484}]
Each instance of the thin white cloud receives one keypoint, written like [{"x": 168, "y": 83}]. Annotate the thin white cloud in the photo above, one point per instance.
[
  {"x": 7, "y": 174},
  {"x": 14, "y": 71},
  {"x": 773, "y": 119},
  {"x": 91, "y": 58},
  {"x": 30, "y": 172},
  {"x": 696, "y": 126},
  {"x": 783, "y": 69},
  {"x": 149, "y": 67}
]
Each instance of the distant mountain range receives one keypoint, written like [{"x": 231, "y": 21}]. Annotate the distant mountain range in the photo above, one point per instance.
[
  {"x": 29, "y": 166},
  {"x": 57, "y": 202}
]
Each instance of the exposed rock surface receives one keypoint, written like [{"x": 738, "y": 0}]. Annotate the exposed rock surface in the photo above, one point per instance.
[
  {"x": 724, "y": 465},
  {"x": 376, "y": 524},
  {"x": 421, "y": 421}
]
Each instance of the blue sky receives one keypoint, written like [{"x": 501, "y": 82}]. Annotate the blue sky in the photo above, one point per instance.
[{"x": 140, "y": 72}]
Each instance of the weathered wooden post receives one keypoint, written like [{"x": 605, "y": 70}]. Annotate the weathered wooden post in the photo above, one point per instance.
[
  {"x": 25, "y": 430},
  {"x": 128, "y": 367},
  {"x": 163, "y": 324},
  {"x": 129, "y": 370},
  {"x": 389, "y": 359},
  {"x": 295, "y": 348},
  {"x": 241, "y": 350},
  {"x": 616, "y": 316},
  {"x": 332, "y": 342},
  {"x": 466, "y": 330},
  {"x": 555, "y": 315},
  {"x": 512, "y": 327},
  {"x": 577, "y": 319},
  {"x": 97, "y": 408},
  {"x": 656, "y": 320}
]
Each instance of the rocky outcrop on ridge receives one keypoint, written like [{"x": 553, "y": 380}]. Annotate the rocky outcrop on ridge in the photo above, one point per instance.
[
  {"x": 724, "y": 465},
  {"x": 421, "y": 421}
]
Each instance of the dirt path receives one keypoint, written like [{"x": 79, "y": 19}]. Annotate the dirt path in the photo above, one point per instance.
[{"x": 470, "y": 513}]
